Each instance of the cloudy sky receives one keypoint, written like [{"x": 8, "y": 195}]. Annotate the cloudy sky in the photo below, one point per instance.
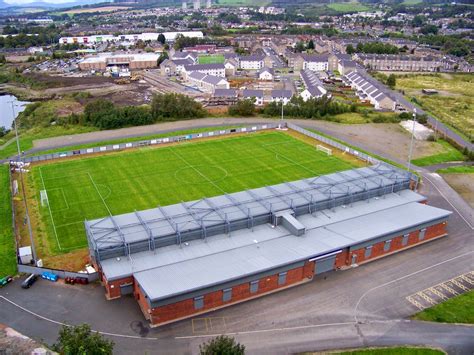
[{"x": 22, "y": 2}]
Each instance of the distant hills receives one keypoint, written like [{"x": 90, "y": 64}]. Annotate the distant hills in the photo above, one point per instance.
[{"x": 49, "y": 5}]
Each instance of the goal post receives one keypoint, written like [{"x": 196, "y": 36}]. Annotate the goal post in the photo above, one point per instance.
[
  {"x": 324, "y": 149},
  {"x": 44, "y": 198}
]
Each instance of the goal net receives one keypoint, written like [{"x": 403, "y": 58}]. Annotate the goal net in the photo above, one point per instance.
[
  {"x": 44, "y": 198},
  {"x": 324, "y": 149}
]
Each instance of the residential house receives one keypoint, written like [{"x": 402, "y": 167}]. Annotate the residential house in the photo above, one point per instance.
[
  {"x": 209, "y": 69},
  {"x": 314, "y": 88},
  {"x": 207, "y": 83},
  {"x": 281, "y": 96},
  {"x": 256, "y": 95},
  {"x": 319, "y": 62},
  {"x": 252, "y": 62},
  {"x": 266, "y": 74},
  {"x": 174, "y": 66},
  {"x": 368, "y": 88}
]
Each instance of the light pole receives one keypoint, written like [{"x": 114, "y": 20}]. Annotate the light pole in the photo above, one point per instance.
[
  {"x": 16, "y": 131},
  {"x": 412, "y": 140},
  {"x": 20, "y": 168}
]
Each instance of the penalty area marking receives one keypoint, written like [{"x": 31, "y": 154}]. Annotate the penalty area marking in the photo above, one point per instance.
[{"x": 50, "y": 213}]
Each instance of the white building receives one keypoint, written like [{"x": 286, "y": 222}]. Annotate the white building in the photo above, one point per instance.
[
  {"x": 251, "y": 62},
  {"x": 150, "y": 36},
  {"x": 256, "y": 95},
  {"x": 209, "y": 69},
  {"x": 316, "y": 62},
  {"x": 266, "y": 74},
  {"x": 281, "y": 96},
  {"x": 314, "y": 88},
  {"x": 207, "y": 83}
]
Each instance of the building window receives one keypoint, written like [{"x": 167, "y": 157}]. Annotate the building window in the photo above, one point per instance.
[
  {"x": 254, "y": 286},
  {"x": 421, "y": 236},
  {"x": 368, "y": 252},
  {"x": 226, "y": 294},
  {"x": 405, "y": 239},
  {"x": 199, "y": 302},
  {"x": 386, "y": 246},
  {"x": 281, "y": 278}
]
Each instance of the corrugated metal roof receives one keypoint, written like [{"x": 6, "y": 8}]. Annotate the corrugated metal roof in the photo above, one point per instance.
[
  {"x": 221, "y": 266},
  {"x": 122, "y": 231}
]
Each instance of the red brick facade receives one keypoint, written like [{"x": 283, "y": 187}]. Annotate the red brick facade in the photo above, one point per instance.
[{"x": 214, "y": 300}]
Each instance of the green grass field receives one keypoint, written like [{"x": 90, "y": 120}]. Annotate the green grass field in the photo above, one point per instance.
[
  {"x": 140, "y": 179},
  {"x": 450, "y": 154},
  {"x": 7, "y": 240},
  {"x": 352, "y": 6},
  {"x": 459, "y": 309},
  {"x": 453, "y": 105},
  {"x": 211, "y": 59},
  {"x": 400, "y": 350}
]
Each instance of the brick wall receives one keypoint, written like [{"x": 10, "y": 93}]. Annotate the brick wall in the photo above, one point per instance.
[
  {"x": 397, "y": 244},
  {"x": 214, "y": 300},
  {"x": 112, "y": 288}
]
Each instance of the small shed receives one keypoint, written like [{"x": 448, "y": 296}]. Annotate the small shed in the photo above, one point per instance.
[{"x": 25, "y": 254}]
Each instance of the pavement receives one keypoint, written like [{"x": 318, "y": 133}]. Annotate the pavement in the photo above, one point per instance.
[{"x": 363, "y": 306}]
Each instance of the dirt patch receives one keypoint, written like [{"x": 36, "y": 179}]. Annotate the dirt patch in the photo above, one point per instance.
[
  {"x": 64, "y": 81},
  {"x": 463, "y": 184},
  {"x": 387, "y": 139}
]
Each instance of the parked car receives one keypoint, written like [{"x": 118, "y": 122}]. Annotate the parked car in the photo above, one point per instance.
[
  {"x": 6, "y": 280},
  {"x": 29, "y": 281}
]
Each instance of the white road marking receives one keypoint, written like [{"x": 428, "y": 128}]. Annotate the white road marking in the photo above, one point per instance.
[
  {"x": 69, "y": 325},
  {"x": 404, "y": 277}
]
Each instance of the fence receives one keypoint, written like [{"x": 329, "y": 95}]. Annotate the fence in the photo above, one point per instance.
[
  {"x": 28, "y": 269},
  {"x": 362, "y": 156},
  {"x": 149, "y": 142}
]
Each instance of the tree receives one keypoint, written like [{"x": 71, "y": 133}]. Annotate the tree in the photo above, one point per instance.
[
  {"x": 300, "y": 47},
  {"x": 222, "y": 345},
  {"x": 243, "y": 108},
  {"x": 162, "y": 58},
  {"x": 81, "y": 340},
  {"x": 391, "y": 80},
  {"x": 350, "y": 49},
  {"x": 161, "y": 38},
  {"x": 311, "y": 44}
]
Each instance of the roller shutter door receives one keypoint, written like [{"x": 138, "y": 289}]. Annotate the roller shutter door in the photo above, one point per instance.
[
  {"x": 325, "y": 265},
  {"x": 126, "y": 289}
]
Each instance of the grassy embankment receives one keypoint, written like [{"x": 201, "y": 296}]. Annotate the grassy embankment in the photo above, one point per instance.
[
  {"x": 7, "y": 241},
  {"x": 459, "y": 309}
]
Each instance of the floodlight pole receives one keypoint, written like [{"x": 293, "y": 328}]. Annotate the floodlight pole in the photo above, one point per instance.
[
  {"x": 281, "y": 125},
  {"x": 412, "y": 140},
  {"x": 28, "y": 222},
  {"x": 16, "y": 131}
]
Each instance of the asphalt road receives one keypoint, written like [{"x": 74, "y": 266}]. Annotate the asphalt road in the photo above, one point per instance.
[{"x": 364, "y": 306}]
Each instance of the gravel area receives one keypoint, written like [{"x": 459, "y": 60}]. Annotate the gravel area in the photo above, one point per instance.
[
  {"x": 389, "y": 140},
  {"x": 463, "y": 184}
]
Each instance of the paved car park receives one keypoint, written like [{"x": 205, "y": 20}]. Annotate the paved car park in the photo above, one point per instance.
[{"x": 443, "y": 291}]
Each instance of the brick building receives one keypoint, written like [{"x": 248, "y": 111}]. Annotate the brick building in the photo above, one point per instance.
[{"x": 183, "y": 260}]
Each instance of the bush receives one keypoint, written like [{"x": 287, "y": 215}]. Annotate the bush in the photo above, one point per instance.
[
  {"x": 422, "y": 119},
  {"x": 81, "y": 340},
  {"x": 222, "y": 345},
  {"x": 317, "y": 109},
  {"x": 173, "y": 107},
  {"x": 243, "y": 108}
]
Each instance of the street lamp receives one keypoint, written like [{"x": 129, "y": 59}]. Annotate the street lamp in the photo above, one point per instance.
[{"x": 412, "y": 140}]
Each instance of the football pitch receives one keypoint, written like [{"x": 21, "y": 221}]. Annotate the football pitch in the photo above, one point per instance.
[{"x": 123, "y": 182}]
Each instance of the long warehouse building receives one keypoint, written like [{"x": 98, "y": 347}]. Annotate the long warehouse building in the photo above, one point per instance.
[{"x": 190, "y": 258}]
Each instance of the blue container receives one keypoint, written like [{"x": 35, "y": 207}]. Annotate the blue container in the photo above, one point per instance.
[{"x": 49, "y": 276}]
